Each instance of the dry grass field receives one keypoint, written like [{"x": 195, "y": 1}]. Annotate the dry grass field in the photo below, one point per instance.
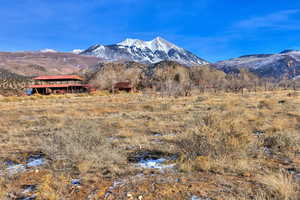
[{"x": 215, "y": 146}]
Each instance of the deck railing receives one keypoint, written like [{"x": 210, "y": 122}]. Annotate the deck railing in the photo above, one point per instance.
[{"x": 56, "y": 82}]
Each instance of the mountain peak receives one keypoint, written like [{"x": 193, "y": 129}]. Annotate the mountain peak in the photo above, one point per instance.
[
  {"x": 164, "y": 44},
  {"x": 130, "y": 42},
  {"x": 153, "y": 51},
  {"x": 157, "y": 44},
  {"x": 160, "y": 39}
]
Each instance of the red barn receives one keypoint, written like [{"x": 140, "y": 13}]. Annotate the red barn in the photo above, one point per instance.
[{"x": 60, "y": 84}]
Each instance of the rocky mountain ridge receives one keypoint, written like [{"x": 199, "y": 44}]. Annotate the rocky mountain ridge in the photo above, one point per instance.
[{"x": 285, "y": 64}]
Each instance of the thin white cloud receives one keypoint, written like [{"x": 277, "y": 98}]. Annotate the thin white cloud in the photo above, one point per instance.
[{"x": 283, "y": 20}]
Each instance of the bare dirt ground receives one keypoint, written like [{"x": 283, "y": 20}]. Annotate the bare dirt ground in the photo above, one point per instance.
[{"x": 134, "y": 146}]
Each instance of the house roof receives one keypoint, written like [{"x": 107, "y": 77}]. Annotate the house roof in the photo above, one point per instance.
[
  {"x": 59, "y": 86},
  {"x": 59, "y": 77}
]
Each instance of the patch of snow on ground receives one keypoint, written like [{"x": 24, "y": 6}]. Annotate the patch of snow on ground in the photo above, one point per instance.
[
  {"x": 14, "y": 168},
  {"x": 111, "y": 188},
  {"x": 194, "y": 197},
  {"x": 35, "y": 162},
  {"x": 155, "y": 163},
  {"x": 33, "y": 197},
  {"x": 29, "y": 189}
]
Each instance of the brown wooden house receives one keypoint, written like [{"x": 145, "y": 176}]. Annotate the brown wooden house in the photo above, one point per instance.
[
  {"x": 60, "y": 84},
  {"x": 123, "y": 86}
]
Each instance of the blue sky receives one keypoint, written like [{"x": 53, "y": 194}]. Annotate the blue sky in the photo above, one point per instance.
[{"x": 212, "y": 29}]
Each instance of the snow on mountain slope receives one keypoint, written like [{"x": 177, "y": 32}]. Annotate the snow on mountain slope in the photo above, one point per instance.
[
  {"x": 147, "y": 52},
  {"x": 154, "y": 45},
  {"x": 266, "y": 65},
  {"x": 48, "y": 51},
  {"x": 77, "y": 51}
]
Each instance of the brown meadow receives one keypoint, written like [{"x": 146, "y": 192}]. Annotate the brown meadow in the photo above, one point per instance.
[{"x": 227, "y": 146}]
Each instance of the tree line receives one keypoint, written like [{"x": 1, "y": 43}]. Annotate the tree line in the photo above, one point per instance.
[{"x": 169, "y": 78}]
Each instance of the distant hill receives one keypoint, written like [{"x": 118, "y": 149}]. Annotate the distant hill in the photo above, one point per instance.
[
  {"x": 12, "y": 83},
  {"x": 147, "y": 52},
  {"x": 104, "y": 75},
  {"x": 41, "y": 63},
  {"x": 159, "y": 74},
  {"x": 285, "y": 64}
]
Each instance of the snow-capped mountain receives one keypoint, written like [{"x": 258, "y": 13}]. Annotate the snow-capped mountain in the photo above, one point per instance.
[
  {"x": 77, "y": 51},
  {"x": 48, "y": 51},
  {"x": 286, "y": 63},
  {"x": 147, "y": 52}
]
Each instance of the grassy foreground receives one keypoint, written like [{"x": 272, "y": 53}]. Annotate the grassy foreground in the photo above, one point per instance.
[{"x": 226, "y": 146}]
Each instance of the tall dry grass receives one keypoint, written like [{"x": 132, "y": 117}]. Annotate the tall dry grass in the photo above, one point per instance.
[{"x": 279, "y": 185}]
